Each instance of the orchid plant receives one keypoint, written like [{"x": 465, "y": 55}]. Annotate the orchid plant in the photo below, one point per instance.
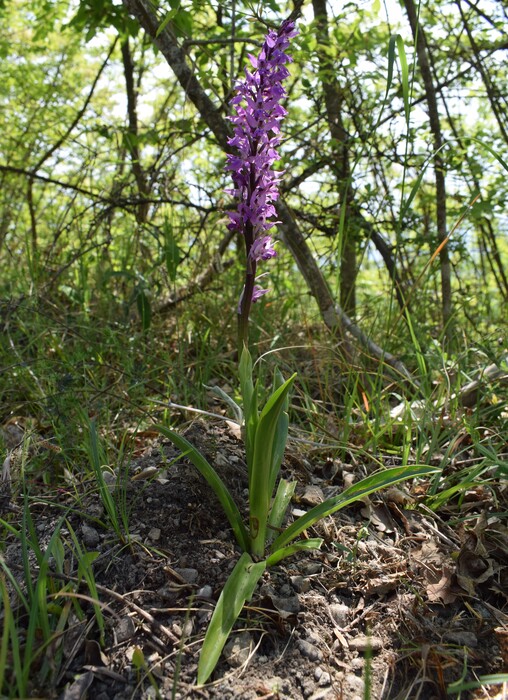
[{"x": 256, "y": 116}]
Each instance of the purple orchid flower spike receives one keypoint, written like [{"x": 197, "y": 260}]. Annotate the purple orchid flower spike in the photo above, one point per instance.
[{"x": 256, "y": 121}]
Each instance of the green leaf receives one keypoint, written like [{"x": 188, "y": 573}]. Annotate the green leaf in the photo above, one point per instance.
[
  {"x": 214, "y": 480},
  {"x": 250, "y": 402},
  {"x": 285, "y": 491},
  {"x": 183, "y": 24},
  {"x": 138, "y": 658},
  {"x": 260, "y": 469},
  {"x": 461, "y": 686},
  {"x": 416, "y": 186},
  {"x": 85, "y": 563},
  {"x": 246, "y": 385},
  {"x": 238, "y": 589},
  {"x": 371, "y": 484},
  {"x": 281, "y": 434},
  {"x": 167, "y": 19},
  {"x": 284, "y": 552},
  {"x": 492, "y": 152},
  {"x": 227, "y": 398},
  {"x": 404, "y": 74}
]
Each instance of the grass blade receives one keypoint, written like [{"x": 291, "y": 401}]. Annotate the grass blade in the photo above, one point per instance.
[
  {"x": 301, "y": 545},
  {"x": 285, "y": 491}
]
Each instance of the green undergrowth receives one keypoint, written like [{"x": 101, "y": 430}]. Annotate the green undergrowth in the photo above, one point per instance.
[
  {"x": 60, "y": 364},
  {"x": 77, "y": 385}
]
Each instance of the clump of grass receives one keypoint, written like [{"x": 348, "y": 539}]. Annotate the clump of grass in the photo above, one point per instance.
[{"x": 39, "y": 604}]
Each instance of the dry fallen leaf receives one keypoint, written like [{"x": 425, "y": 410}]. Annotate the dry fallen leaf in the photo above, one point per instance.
[
  {"x": 441, "y": 591},
  {"x": 474, "y": 565}
]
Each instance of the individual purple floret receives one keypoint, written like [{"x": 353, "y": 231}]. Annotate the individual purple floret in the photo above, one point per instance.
[
  {"x": 256, "y": 127},
  {"x": 262, "y": 249}
]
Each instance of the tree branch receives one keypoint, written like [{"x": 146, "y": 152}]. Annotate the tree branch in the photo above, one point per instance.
[{"x": 439, "y": 165}]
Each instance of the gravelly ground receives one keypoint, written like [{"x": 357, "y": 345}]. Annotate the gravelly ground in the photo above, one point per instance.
[{"x": 399, "y": 597}]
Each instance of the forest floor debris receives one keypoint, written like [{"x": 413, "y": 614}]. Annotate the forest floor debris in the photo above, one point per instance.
[{"x": 401, "y": 598}]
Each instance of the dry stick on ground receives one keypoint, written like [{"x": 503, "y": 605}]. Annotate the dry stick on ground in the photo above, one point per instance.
[
  {"x": 125, "y": 601},
  {"x": 332, "y": 313}
]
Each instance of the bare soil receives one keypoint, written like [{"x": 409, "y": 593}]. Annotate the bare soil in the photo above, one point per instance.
[{"x": 400, "y": 602}]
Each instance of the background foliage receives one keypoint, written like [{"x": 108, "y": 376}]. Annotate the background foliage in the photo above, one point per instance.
[
  {"x": 116, "y": 259},
  {"x": 120, "y": 282},
  {"x": 112, "y": 201}
]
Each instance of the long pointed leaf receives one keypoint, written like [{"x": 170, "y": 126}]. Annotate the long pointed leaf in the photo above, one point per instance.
[
  {"x": 285, "y": 491},
  {"x": 238, "y": 589},
  {"x": 220, "y": 489},
  {"x": 259, "y": 494},
  {"x": 371, "y": 484},
  {"x": 404, "y": 74},
  {"x": 276, "y": 557},
  {"x": 281, "y": 434},
  {"x": 227, "y": 398}
]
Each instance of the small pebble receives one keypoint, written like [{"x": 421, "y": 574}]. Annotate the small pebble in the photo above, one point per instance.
[
  {"x": 155, "y": 534},
  {"x": 125, "y": 629},
  {"x": 324, "y": 679},
  {"x": 286, "y": 606},
  {"x": 91, "y": 537},
  {"x": 358, "y": 664},
  {"x": 300, "y": 584},
  {"x": 312, "y": 567},
  {"x": 109, "y": 480},
  {"x": 129, "y": 653},
  {"x": 312, "y": 496},
  {"x": 205, "y": 592},
  {"x": 238, "y": 650},
  {"x": 307, "y": 687},
  {"x": 154, "y": 662},
  {"x": 355, "y": 684},
  {"x": 310, "y": 651},
  {"x": 188, "y": 575},
  {"x": 339, "y": 614},
  {"x": 463, "y": 638}
]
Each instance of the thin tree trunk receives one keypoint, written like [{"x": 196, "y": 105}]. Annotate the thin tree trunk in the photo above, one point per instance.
[
  {"x": 439, "y": 166},
  {"x": 52, "y": 149},
  {"x": 340, "y": 160},
  {"x": 133, "y": 133},
  {"x": 488, "y": 236}
]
